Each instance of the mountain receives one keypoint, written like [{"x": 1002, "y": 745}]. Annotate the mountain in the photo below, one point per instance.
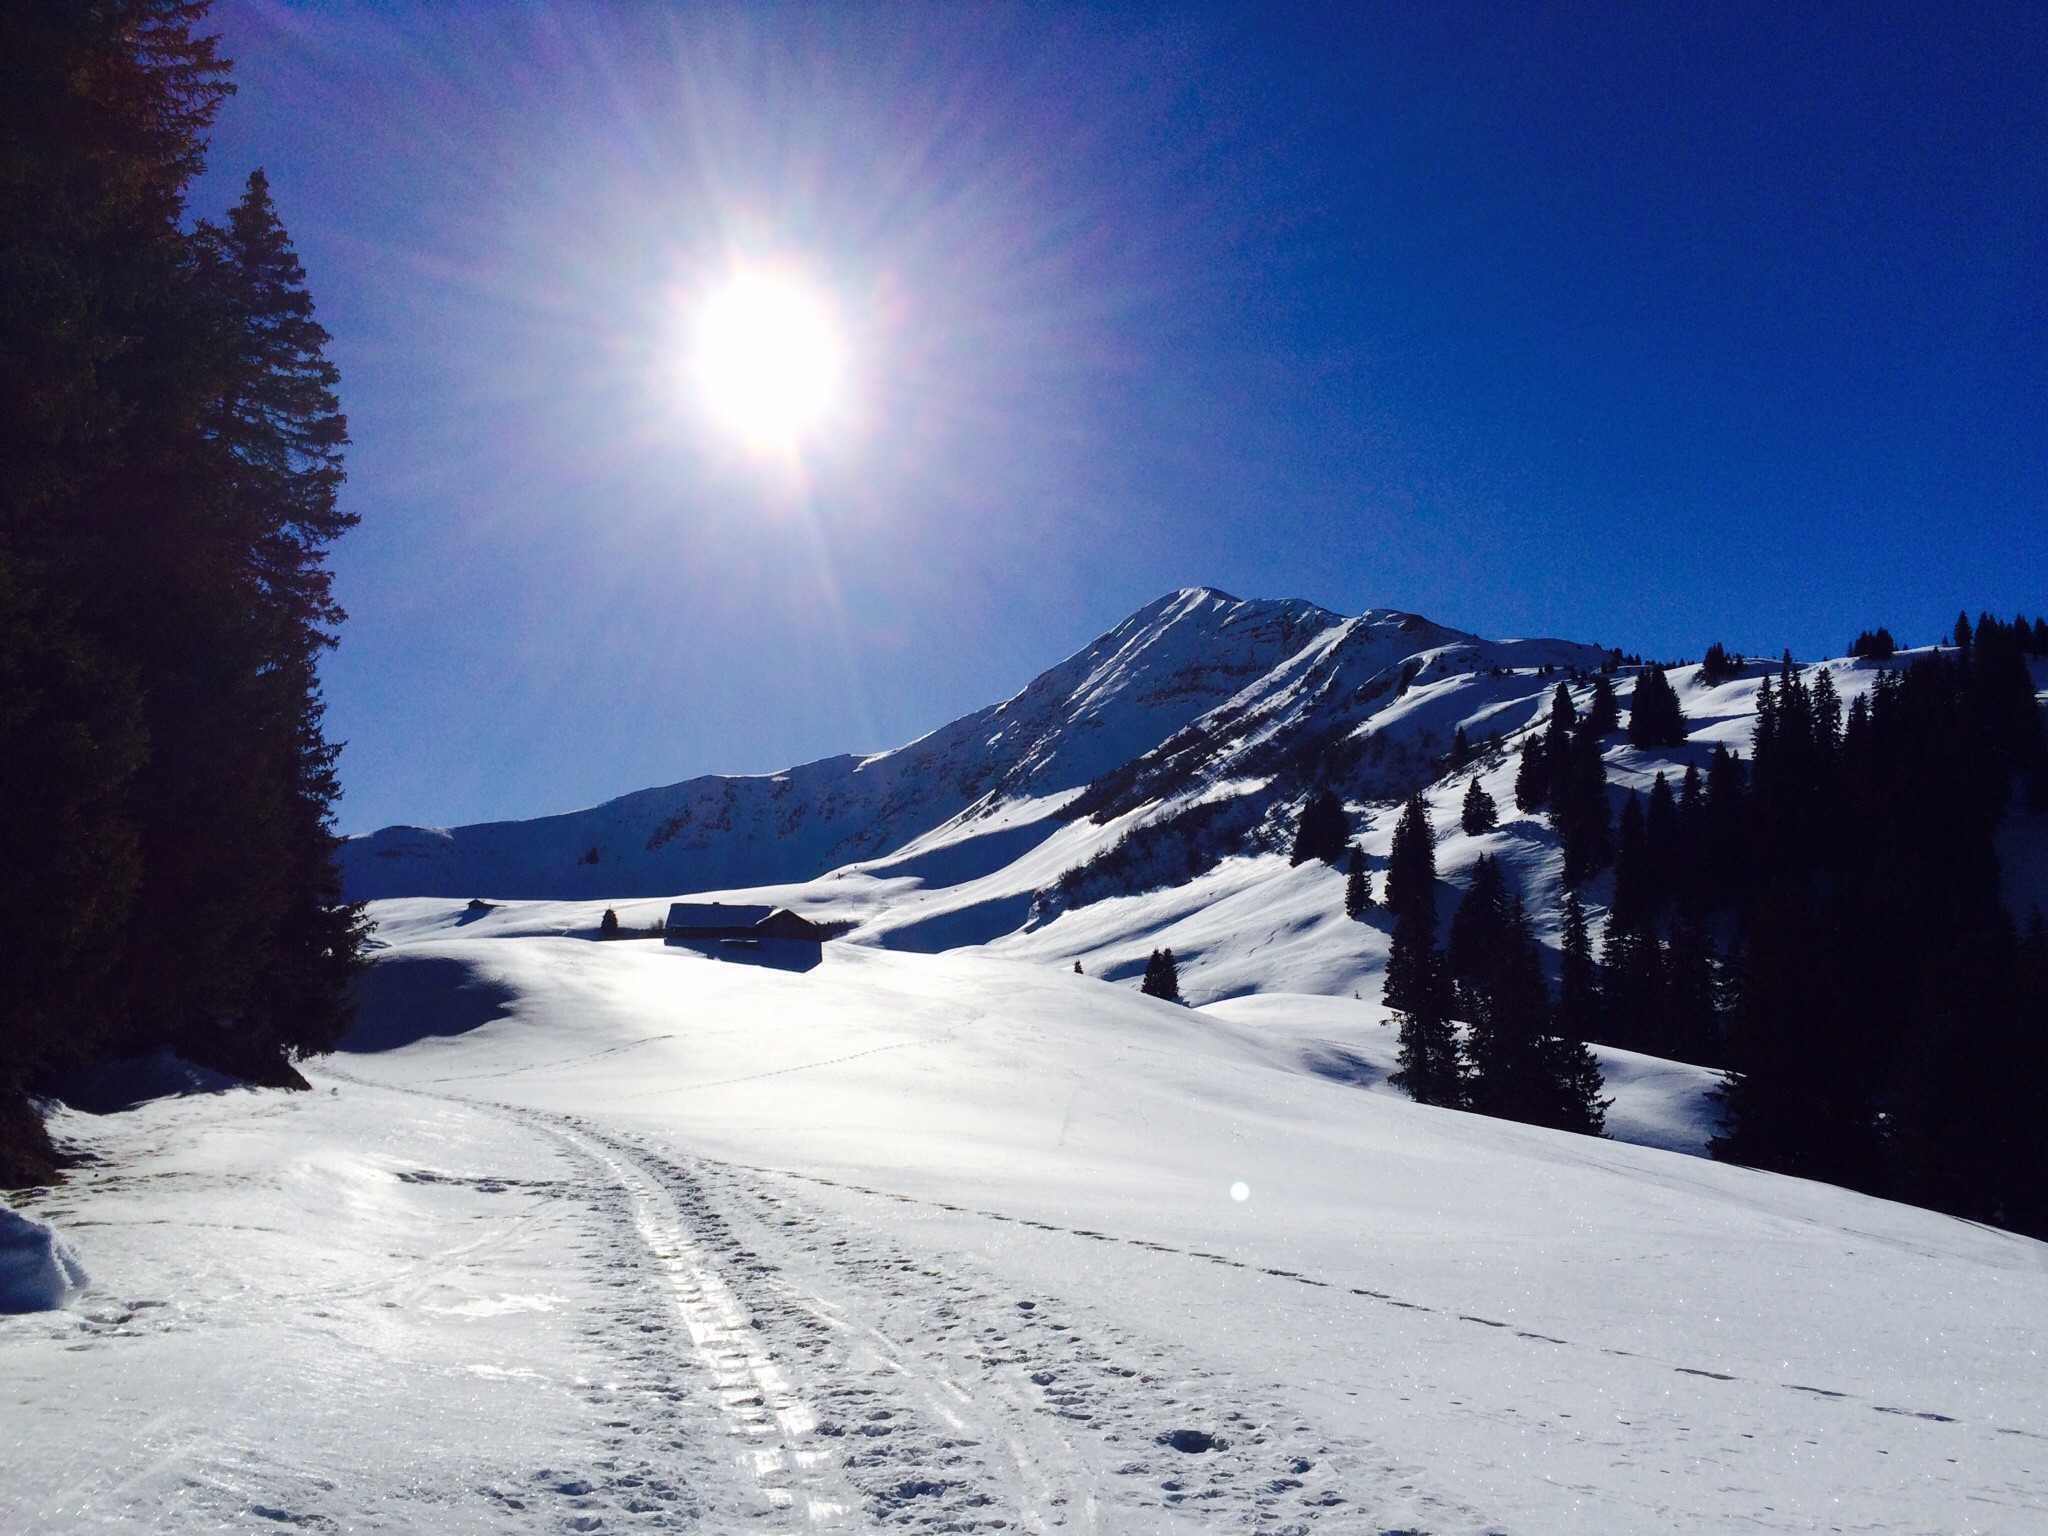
[
  {"x": 1180, "y": 741},
  {"x": 1192, "y": 686},
  {"x": 1111, "y": 701}
]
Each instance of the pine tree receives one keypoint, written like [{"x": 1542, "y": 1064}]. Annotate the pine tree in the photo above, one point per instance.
[
  {"x": 1578, "y": 978},
  {"x": 1717, "y": 666},
  {"x": 1797, "y": 1099},
  {"x": 1430, "y": 1068},
  {"x": 1162, "y": 977},
  {"x": 169, "y": 465},
  {"x": 1357, "y": 887},
  {"x": 1479, "y": 814},
  {"x": 608, "y": 927},
  {"x": 1557, "y": 735},
  {"x": 1415, "y": 986},
  {"x": 1603, "y": 713},
  {"x": 1661, "y": 838},
  {"x": 1461, "y": 749},
  {"x": 101, "y": 376},
  {"x": 1575, "y": 1080},
  {"x": 1532, "y": 776},
  {"x": 1509, "y": 1011},
  {"x": 1411, "y": 863},
  {"x": 1518, "y": 1068},
  {"x": 251, "y": 950},
  {"x": 1654, "y": 716},
  {"x": 1580, "y": 813},
  {"x": 1690, "y": 1026},
  {"x": 1323, "y": 830},
  {"x": 1478, "y": 927},
  {"x": 1632, "y": 881}
]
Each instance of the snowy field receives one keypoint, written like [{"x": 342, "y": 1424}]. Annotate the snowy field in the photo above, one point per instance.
[{"x": 959, "y": 1242}]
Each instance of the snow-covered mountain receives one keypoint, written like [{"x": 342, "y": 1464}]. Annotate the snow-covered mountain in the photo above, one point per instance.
[
  {"x": 1116, "y": 699},
  {"x": 1196, "y": 688},
  {"x": 1140, "y": 794}
]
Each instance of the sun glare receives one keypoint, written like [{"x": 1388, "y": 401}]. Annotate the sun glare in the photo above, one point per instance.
[{"x": 769, "y": 360}]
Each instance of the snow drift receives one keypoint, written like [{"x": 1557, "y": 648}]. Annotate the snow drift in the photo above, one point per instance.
[{"x": 37, "y": 1271}]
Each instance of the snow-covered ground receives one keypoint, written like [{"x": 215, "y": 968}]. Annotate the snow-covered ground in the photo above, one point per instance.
[{"x": 965, "y": 1242}]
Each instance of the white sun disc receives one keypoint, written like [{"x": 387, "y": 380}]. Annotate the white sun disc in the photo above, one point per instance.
[{"x": 769, "y": 359}]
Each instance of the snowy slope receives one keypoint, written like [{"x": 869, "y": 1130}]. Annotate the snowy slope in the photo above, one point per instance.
[
  {"x": 1122, "y": 695},
  {"x": 951, "y": 1243}
]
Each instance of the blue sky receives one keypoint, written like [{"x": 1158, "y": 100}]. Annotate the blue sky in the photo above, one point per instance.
[{"x": 1647, "y": 325}]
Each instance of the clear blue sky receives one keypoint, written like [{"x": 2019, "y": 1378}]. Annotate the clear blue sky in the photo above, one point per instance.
[{"x": 1652, "y": 325}]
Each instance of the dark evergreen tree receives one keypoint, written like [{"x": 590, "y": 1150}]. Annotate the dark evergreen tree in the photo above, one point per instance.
[
  {"x": 1580, "y": 811},
  {"x": 1603, "y": 713},
  {"x": 1508, "y": 1006},
  {"x": 1478, "y": 928},
  {"x": 1654, "y": 717},
  {"x": 1162, "y": 977},
  {"x": 1684, "y": 871},
  {"x": 1557, "y": 734},
  {"x": 1722, "y": 868},
  {"x": 1461, "y": 749},
  {"x": 1430, "y": 1066},
  {"x": 169, "y": 459},
  {"x": 1632, "y": 876},
  {"x": 1416, "y": 987},
  {"x": 1323, "y": 831},
  {"x": 1874, "y": 645},
  {"x": 1661, "y": 839},
  {"x": 1717, "y": 666},
  {"x": 1357, "y": 885},
  {"x": 1411, "y": 863},
  {"x": 1532, "y": 776},
  {"x": 608, "y": 927},
  {"x": 1631, "y": 989},
  {"x": 1798, "y": 1099},
  {"x": 1518, "y": 1068},
  {"x": 1689, "y": 1023},
  {"x": 1578, "y": 978},
  {"x": 1479, "y": 813}
]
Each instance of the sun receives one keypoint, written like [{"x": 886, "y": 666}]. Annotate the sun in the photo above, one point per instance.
[{"x": 769, "y": 359}]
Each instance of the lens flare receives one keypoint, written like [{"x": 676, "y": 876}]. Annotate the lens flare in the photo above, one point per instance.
[{"x": 769, "y": 360}]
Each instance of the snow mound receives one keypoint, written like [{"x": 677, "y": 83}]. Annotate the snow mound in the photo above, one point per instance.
[{"x": 37, "y": 1272}]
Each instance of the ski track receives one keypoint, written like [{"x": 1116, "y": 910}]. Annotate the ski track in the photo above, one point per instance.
[
  {"x": 865, "y": 1387},
  {"x": 1383, "y": 1297},
  {"x": 776, "y": 1363},
  {"x": 858, "y": 1385}
]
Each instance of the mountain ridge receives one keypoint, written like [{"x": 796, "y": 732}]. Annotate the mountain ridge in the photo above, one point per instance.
[{"x": 1114, "y": 699}]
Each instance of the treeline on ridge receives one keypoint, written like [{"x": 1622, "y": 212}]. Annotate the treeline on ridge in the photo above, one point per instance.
[
  {"x": 1824, "y": 919},
  {"x": 169, "y": 464}
]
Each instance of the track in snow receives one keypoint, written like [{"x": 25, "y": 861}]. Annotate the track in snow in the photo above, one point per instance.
[{"x": 861, "y": 1386}]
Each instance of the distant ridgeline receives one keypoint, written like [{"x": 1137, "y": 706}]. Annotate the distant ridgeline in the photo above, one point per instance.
[{"x": 170, "y": 452}]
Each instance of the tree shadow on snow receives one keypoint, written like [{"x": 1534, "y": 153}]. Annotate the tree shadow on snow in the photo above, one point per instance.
[
  {"x": 1340, "y": 1065},
  {"x": 404, "y": 998}
]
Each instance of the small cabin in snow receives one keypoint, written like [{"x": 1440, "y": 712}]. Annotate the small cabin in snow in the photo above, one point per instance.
[{"x": 771, "y": 936}]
